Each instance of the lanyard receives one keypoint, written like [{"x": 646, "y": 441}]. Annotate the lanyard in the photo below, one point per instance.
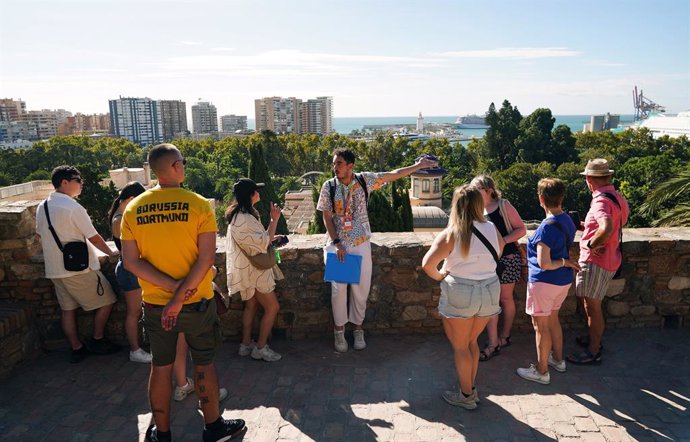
[{"x": 346, "y": 198}]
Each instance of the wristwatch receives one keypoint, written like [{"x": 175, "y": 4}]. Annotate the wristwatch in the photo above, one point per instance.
[{"x": 336, "y": 241}]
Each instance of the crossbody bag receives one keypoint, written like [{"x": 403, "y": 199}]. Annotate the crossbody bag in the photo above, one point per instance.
[
  {"x": 75, "y": 254},
  {"x": 499, "y": 265}
]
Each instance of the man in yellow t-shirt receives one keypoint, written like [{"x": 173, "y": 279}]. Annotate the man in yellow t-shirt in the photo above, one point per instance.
[{"x": 169, "y": 242}]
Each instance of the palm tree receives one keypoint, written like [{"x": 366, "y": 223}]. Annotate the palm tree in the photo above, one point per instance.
[{"x": 677, "y": 189}]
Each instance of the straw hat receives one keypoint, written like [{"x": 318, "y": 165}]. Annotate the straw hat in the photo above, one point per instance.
[{"x": 597, "y": 167}]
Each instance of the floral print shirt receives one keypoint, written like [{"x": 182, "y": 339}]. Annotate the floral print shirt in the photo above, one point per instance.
[{"x": 350, "y": 201}]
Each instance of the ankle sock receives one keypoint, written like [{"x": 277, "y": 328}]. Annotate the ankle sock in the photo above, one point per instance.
[{"x": 465, "y": 395}]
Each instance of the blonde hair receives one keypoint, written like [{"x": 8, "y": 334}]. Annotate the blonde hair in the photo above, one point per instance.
[
  {"x": 467, "y": 207},
  {"x": 486, "y": 182}
]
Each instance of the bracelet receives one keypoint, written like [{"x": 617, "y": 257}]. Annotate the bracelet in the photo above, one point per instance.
[
  {"x": 563, "y": 261},
  {"x": 335, "y": 241}
]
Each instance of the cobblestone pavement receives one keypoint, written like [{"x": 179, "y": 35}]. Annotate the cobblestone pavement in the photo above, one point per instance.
[{"x": 390, "y": 391}]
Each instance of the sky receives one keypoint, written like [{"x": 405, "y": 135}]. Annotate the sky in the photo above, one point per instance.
[{"x": 375, "y": 58}]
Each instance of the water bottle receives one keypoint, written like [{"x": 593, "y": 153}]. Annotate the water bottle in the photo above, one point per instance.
[{"x": 277, "y": 257}]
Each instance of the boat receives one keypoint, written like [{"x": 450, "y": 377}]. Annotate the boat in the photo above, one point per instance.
[
  {"x": 471, "y": 122},
  {"x": 673, "y": 126}
]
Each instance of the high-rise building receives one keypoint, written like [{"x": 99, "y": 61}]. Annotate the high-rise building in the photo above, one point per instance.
[
  {"x": 174, "y": 116},
  {"x": 281, "y": 115},
  {"x": 81, "y": 123},
  {"x": 13, "y": 131},
  {"x": 137, "y": 119},
  {"x": 11, "y": 110},
  {"x": 233, "y": 123},
  {"x": 46, "y": 122},
  {"x": 204, "y": 118},
  {"x": 317, "y": 116}
]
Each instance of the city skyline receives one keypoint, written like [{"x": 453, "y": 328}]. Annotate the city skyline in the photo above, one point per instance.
[{"x": 374, "y": 59}]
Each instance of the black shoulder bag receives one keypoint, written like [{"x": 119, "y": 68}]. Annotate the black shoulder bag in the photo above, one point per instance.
[
  {"x": 75, "y": 255},
  {"x": 613, "y": 199},
  {"x": 499, "y": 265}
]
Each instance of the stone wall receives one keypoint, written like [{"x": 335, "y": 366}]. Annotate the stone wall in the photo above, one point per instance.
[{"x": 655, "y": 291}]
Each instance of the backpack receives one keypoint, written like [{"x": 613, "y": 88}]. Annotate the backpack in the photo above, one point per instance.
[
  {"x": 362, "y": 182},
  {"x": 613, "y": 198}
]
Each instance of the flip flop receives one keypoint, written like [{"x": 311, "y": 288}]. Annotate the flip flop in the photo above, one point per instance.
[
  {"x": 583, "y": 341},
  {"x": 508, "y": 343}
]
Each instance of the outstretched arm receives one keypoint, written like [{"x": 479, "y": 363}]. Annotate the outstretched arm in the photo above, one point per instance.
[{"x": 423, "y": 163}]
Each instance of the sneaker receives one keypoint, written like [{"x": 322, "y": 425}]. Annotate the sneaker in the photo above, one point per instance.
[
  {"x": 475, "y": 395},
  {"x": 223, "y": 429},
  {"x": 531, "y": 374},
  {"x": 140, "y": 355},
  {"x": 78, "y": 355},
  {"x": 458, "y": 399},
  {"x": 153, "y": 436},
  {"x": 246, "y": 350},
  {"x": 360, "y": 344},
  {"x": 102, "y": 346},
  {"x": 559, "y": 366},
  {"x": 340, "y": 342},
  {"x": 182, "y": 392},
  {"x": 266, "y": 354}
]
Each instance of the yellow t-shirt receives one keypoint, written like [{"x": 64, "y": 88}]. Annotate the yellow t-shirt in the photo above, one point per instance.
[{"x": 166, "y": 223}]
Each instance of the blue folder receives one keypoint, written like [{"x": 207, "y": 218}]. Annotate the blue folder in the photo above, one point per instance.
[{"x": 344, "y": 272}]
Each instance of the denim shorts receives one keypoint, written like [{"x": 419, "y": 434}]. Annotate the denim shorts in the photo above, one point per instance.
[
  {"x": 125, "y": 279},
  {"x": 467, "y": 298}
]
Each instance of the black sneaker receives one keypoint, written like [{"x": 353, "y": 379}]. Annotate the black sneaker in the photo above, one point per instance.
[
  {"x": 153, "y": 436},
  {"x": 223, "y": 429},
  {"x": 102, "y": 346},
  {"x": 78, "y": 355}
]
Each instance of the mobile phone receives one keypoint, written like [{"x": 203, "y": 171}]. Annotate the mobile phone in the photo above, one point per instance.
[{"x": 280, "y": 241}]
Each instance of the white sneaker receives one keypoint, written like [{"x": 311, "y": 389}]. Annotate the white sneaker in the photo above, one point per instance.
[
  {"x": 222, "y": 394},
  {"x": 182, "y": 392},
  {"x": 531, "y": 374},
  {"x": 140, "y": 355},
  {"x": 360, "y": 344},
  {"x": 558, "y": 366},
  {"x": 266, "y": 354},
  {"x": 340, "y": 342},
  {"x": 246, "y": 350},
  {"x": 475, "y": 395},
  {"x": 459, "y": 400}
]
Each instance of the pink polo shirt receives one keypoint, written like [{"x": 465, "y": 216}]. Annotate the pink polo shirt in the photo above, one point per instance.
[{"x": 601, "y": 207}]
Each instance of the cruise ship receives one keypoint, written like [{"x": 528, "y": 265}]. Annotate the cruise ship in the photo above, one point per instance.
[
  {"x": 660, "y": 124},
  {"x": 471, "y": 122}
]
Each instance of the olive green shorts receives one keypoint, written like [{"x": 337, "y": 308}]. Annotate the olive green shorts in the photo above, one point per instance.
[{"x": 201, "y": 330}]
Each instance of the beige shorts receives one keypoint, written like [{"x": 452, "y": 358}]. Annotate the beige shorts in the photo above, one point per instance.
[{"x": 90, "y": 290}]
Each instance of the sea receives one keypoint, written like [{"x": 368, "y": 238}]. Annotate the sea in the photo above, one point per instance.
[{"x": 345, "y": 125}]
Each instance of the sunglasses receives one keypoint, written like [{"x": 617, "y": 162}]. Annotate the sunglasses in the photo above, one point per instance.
[
  {"x": 76, "y": 178},
  {"x": 183, "y": 161}
]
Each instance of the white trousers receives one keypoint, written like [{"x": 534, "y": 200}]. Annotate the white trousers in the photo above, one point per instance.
[{"x": 360, "y": 292}]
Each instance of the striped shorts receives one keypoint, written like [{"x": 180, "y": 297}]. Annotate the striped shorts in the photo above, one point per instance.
[{"x": 592, "y": 281}]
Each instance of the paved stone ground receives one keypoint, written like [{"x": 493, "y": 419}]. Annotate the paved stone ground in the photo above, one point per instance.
[{"x": 390, "y": 391}]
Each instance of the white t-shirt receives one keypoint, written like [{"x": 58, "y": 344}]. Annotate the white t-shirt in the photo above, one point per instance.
[
  {"x": 479, "y": 263},
  {"x": 71, "y": 223}
]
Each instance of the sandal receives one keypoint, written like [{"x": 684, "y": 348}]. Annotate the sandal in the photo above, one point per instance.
[
  {"x": 585, "y": 358},
  {"x": 507, "y": 339},
  {"x": 489, "y": 352},
  {"x": 583, "y": 341}
]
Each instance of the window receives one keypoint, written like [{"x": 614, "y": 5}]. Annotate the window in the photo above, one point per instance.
[
  {"x": 437, "y": 185},
  {"x": 415, "y": 187},
  {"x": 425, "y": 186}
]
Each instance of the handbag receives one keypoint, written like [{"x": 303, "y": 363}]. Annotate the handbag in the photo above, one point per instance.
[
  {"x": 75, "y": 254},
  {"x": 262, "y": 261},
  {"x": 500, "y": 267}
]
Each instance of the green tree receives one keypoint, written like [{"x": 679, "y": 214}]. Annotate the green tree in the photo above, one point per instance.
[
  {"x": 37, "y": 175},
  {"x": 96, "y": 198},
  {"x": 533, "y": 144},
  {"x": 562, "y": 146},
  {"x": 316, "y": 224},
  {"x": 382, "y": 218},
  {"x": 674, "y": 193},
  {"x": 258, "y": 171},
  {"x": 504, "y": 128}
]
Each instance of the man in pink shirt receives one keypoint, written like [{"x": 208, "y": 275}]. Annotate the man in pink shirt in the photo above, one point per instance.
[{"x": 600, "y": 255}]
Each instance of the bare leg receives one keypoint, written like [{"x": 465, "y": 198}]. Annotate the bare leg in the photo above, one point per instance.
[
  {"x": 206, "y": 385},
  {"x": 508, "y": 306},
  {"x": 133, "y": 299},
  {"x": 477, "y": 328},
  {"x": 248, "y": 314},
  {"x": 458, "y": 333},
  {"x": 492, "y": 331},
  {"x": 160, "y": 390},
  {"x": 269, "y": 303},
  {"x": 595, "y": 321},
  {"x": 69, "y": 327},
  {"x": 180, "y": 364},
  {"x": 542, "y": 337},
  {"x": 556, "y": 336},
  {"x": 100, "y": 319}
]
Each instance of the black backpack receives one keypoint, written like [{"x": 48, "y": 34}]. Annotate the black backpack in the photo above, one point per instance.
[{"x": 362, "y": 182}]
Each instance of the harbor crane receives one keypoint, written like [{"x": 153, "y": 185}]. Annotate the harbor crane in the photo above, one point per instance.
[{"x": 644, "y": 106}]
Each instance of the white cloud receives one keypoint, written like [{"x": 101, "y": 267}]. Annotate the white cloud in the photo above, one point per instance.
[
  {"x": 189, "y": 43},
  {"x": 223, "y": 49},
  {"x": 511, "y": 53}
]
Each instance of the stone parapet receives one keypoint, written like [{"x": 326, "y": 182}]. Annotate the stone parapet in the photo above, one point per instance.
[{"x": 654, "y": 291}]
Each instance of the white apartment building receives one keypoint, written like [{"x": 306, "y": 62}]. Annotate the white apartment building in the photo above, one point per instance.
[
  {"x": 317, "y": 116},
  {"x": 174, "y": 117},
  {"x": 280, "y": 115},
  {"x": 204, "y": 118},
  {"x": 233, "y": 123},
  {"x": 137, "y": 119}
]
